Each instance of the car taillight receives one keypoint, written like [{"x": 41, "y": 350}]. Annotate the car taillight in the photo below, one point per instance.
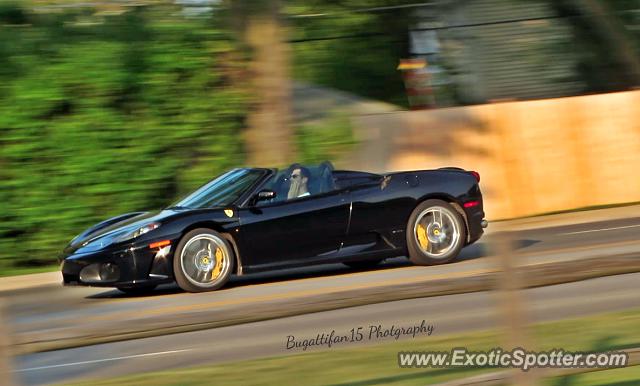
[{"x": 476, "y": 175}]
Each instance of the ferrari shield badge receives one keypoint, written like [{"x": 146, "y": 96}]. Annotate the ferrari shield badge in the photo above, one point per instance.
[{"x": 228, "y": 212}]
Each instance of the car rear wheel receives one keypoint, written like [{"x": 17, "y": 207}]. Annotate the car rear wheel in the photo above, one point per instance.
[
  {"x": 203, "y": 261},
  {"x": 435, "y": 233}
]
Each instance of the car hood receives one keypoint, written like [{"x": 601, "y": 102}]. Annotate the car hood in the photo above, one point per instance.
[{"x": 111, "y": 230}]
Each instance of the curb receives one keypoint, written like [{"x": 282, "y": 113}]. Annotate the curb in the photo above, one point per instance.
[{"x": 20, "y": 282}]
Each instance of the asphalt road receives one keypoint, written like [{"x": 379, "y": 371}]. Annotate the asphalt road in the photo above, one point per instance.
[
  {"x": 447, "y": 314},
  {"x": 47, "y": 308}
]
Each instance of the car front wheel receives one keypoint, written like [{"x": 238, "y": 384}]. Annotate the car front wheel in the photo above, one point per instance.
[
  {"x": 203, "y": 261},
  {"x": 435, "y": 233}
]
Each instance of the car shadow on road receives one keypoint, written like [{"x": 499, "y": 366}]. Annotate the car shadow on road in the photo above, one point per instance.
[{"x": 165, "y": 289}]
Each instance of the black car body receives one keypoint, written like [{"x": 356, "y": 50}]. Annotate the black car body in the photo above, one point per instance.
[{"x": 349, "y": 217}]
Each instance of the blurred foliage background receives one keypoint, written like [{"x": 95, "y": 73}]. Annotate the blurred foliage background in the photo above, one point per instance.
[{"x": 101, "y": 117}]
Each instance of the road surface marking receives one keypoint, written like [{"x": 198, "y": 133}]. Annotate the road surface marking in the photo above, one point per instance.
[
  {"x": 600, "y": 230},
  {"x": 102, "y": 360}
]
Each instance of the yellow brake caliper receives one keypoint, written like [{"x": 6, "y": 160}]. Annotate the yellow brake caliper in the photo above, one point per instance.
[
  {"x": 218, "y": 267},
  {"x": 422, "y": 236}
]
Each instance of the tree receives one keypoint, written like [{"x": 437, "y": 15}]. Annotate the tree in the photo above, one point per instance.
[{"x": 269, "y": 138}]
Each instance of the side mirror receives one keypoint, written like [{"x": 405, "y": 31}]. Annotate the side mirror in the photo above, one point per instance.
[{"x": 264, "y": 195}]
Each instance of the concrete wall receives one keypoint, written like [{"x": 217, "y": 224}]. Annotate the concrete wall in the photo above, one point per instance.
[{"x": 534, "y": 156}]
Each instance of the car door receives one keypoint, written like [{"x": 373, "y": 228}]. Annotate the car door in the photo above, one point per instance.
[
  {"x": 380, "y": 209},
  {"x": 294, "y": 231}
]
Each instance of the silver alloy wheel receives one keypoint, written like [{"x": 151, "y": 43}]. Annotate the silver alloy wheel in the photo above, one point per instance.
[
  {"x": 436, "y": 231},
  {"x": 204, "y": 260}
]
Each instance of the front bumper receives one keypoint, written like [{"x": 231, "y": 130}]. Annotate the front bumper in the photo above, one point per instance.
[{"x": 134, "y": 267}]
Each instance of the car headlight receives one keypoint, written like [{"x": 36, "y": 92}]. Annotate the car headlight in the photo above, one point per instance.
[
  {"x": 146, "y": 228},
  {"x": 140, "y": 231}
]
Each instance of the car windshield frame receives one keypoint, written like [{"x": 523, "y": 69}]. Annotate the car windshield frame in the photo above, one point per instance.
[{"x": 221, "y": 189}]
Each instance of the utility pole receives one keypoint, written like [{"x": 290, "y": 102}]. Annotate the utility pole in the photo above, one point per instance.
[
  {"x": 269, "y": 138},
  {"x": 512, "y": 310}
]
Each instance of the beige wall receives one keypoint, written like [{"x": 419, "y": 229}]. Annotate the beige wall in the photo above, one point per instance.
[{"x": 534, "y": 157}]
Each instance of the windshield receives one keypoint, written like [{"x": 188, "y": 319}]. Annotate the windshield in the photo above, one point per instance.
[{"x": 222, "y": 191}]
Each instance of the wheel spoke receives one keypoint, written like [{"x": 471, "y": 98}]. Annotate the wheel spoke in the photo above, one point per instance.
[
  {"x": 192, "y": 268},
  {"x": 188, "y": 250}
]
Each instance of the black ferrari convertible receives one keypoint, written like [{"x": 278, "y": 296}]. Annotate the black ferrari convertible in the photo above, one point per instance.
[{"x": 253, "y": 219}]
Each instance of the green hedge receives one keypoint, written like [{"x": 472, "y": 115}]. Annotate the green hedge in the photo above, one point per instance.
[{"x": 106, "y": 114}]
